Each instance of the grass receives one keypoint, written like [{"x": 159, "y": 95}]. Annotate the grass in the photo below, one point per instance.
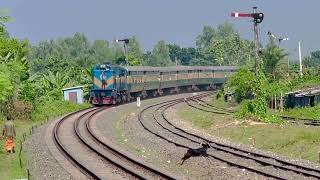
[
  {"x": 120, "y": 136},
  {"x": 144, "y": 152},
  {"x": 285, "y": 139},
  {"x": 10, "y": 163},
  {"x": 207, "y": 120},
  {"x": 305, "y": 112},
  {"x": 288, "y": 140}
]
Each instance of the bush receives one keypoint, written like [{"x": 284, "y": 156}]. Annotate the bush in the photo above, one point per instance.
[
  {"x": 246, "y": 84},
  {"x": 54, "y": 108}
]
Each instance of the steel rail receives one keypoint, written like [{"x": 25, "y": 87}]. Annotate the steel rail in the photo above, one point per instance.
[
  {"x": 187, "y": 147},
  {"x": 120, "y": 154},
  {"x": 64, "y": 150},
  {"x": 216, "y": 145}
]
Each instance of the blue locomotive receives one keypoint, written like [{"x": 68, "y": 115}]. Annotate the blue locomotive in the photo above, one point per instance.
[{"x": 114, "y": 84}]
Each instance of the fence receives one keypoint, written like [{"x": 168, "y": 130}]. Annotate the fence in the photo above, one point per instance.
[{"x": 24, "y": 137}]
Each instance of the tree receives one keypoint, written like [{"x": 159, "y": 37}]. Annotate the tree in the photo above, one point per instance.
[
  {"x": 133, "y": 61},
  {"x": 313, "y": 60},
  {"x": 174, "y": 52},
  {"x": 4, "y": 19},
  {"x": 202, "y": 59},
  {"x": 241, "y": 83},
  {"x": 118, "y": 53},
  {"x": 186, "y": 55},
  {"x": 231, "y": 50},
  {"x": 223, "y": 46},
  {"x": 182, "y": 55},
  {"x": 203, "y": 40},
  {"x": 134, "y": 52},
  {"x": 6, "y": 86},
  {"x": 53, "y": 83},
  {"x": 76, "y": 51},
  {"x": 13, "y": 56},
  {"x": 101, "y": 51},
  {"x": 146, "y": 57},
  {"x": 271, "y": 56},
  {"x": 160, "y": 55},
  {"x": 224, "y": 30},
  {"x": 134, "y": 48}
]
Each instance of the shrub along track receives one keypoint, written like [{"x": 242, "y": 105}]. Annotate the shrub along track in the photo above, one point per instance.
[
  {"x": 261, "y": 164},
  {"x": 91, "y": 155},
  {"x": 218, "y": 110}
]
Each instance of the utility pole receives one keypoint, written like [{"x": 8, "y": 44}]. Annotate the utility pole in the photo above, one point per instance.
[
  {"x": 256, "y": 40},
  {"x": 125, "y": 46},
  {"x": 300, "y": 59},
  {"x": 279, "y": 39},
  {"x": 257, "y": 19}
]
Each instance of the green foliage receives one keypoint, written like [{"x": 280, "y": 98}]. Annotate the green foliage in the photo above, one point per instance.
[
  {"x": 182, "y": 55},
  {"x": 246, "y": 84},
  {"x": 76, "y": 51},
  {"x": 50, "y": 108},
  {"x": 160, "y": 55},
  {"x": 133, "y": 61},
  {"x": 6, "y": 86},
  {"x": 313, "y": 60},
  {"x": 257, "y": 109},
  {"x": 10, "y": 164},
  {"x": 223, "y": 46},
  {"x": 232, "y": 50},
  {"x": 203, "y": 40},
  {"x": 241, "y": 83},
  {"x": 272, "y": 55},
  {"x": 13, "y": 48},
  {"x": 134, "y": 49},
  {"x": 4, "y": 19},
  {"x": 14, "y": 67},
  {"x": 295, "y": 83},
  {"x": 305, "y": 112}
]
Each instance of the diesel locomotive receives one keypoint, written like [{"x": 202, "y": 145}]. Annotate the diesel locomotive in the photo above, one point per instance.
[{"x": 114, "y": 84}]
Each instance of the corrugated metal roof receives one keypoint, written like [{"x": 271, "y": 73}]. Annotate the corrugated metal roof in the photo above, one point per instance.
[
  {"x": 306, "y": 92},
  {"x": 179, "y": 68},
  {"x": 70, "y": 88}
]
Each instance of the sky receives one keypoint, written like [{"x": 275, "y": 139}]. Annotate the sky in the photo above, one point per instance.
[{"x": 175, "y": 21}]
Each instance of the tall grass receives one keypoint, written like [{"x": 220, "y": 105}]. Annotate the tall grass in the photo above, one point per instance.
[
  {"x": 289, "y": 140},
  {"x": 10, "y": 163},
  {"x": 50, "y": 109},
  {"x": 305, "y": 112}
]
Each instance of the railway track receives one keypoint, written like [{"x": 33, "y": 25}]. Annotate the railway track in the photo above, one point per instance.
[
  {"x": 305, "y": 121},
  {"x": 264, "y": 165},
  {"x": 218, "y": 110},
  {"x": 90, "y": 155}
]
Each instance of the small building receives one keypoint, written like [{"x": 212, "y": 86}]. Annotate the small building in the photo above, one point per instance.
[
  {"x": 303, "y": 98},
  {"x": 73, "y": 94}
]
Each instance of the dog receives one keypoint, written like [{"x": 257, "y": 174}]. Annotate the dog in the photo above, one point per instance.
[{"x": 202, "y": 151}]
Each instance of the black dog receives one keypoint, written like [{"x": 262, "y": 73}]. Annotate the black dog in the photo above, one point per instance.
[{"x": 202, "y": 151}]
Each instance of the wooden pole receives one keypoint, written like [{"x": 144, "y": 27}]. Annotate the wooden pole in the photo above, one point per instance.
[
  {"x": 281, "y": 102},
  {"x": 275, "y": 102}
]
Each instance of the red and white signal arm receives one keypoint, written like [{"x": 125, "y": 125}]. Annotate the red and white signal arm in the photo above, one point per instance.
[
  {"x": 258, "y": 17},
  {"x": 237, "y": 14}
]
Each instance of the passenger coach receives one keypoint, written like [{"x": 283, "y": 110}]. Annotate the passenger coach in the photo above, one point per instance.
[{"x": 115, "y": 84}]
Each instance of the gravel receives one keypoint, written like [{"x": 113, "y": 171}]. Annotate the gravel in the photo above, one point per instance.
[
  {"x": 121, "y": 124},
  {"x": 41, "y": 163},
  {"x": 171, "y": 113}
]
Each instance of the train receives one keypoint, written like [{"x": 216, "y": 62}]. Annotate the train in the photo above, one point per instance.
[{"x": 113, "y": 84}]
